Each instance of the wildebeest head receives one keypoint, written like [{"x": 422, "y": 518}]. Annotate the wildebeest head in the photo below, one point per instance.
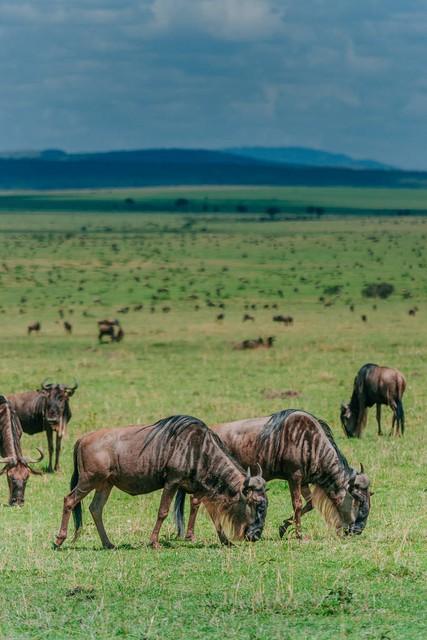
[
  {"x": 242, "y": 517},
  {"x": 57, "y": 408},
  {"x": 347, "y": 420},
  {"x": 17, "y": 472},
  {"x": 252, "y": 506},
  {"x": 348, "y": 511},
  {"x": 359, "y": 489}
]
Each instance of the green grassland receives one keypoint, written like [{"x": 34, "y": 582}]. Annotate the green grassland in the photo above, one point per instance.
[
  {"x": 192, "y": 200},
  {"x": 93, "y": 261}
]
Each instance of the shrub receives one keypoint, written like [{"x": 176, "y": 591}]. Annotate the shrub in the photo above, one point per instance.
[{"x": 378, "y": 290}]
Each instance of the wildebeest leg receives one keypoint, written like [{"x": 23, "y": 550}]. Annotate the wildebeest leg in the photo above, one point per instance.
[
  {"x": 380, "y": 433},
  {"x": 295, "y": 489},
  {"x": 395, "y": 420},
  {"x": 57, "y": 451},
  {"x": 49, "y": 435},
  {"x": 165, "y": 503},
  {"x": 305, "y": 490},
  {"x": 96, "y": 507},
  {"x": 194, "y": 508},
  {"x": 70, "y": 502}
]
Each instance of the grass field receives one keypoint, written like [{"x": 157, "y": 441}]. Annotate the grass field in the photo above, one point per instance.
[{"x": 182, "y": 361}]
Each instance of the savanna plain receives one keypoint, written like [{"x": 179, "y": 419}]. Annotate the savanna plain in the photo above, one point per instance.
[{"x": 94, "y": 254}]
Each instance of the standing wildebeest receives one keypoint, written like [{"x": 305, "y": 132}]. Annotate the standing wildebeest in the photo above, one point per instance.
[
  {"x": 108, "y": 328},
  {"x": 36, "y": 326},
  {"x": 374, "y": 385},
  {"x": 16, "y": 466},
  {"x": 68, "y": 327},
  {"x": 46, "y": 409},
  {"x": 179, "y": 452},
  {"x": 295, "y": 446}
]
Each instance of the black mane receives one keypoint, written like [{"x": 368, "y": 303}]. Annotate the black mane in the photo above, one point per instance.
[{"x": 172, "y": 427}]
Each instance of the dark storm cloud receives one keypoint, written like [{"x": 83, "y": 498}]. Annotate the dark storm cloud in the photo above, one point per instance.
[{"x": 335, "y": 74}]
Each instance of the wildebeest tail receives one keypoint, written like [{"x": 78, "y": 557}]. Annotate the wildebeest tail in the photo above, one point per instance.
[
  {"x": 178, "y": 512},
  {"x": 77, "y": 511},
  {"x": 400, "y": 414}
]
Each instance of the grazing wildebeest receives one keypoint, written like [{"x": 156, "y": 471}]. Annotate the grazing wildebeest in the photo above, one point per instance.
[
  {"x": 364, "y": 318},
  {"x": 220, "y": 316},
  {"x": 17, "y": 468},
  {"x": 247, "y": 317},
  {"x": 108, "y": 328},
  {"x": 68, "y": 327},
  {"x": 374, "y": 385},
  {"x": 179, "y": 452},
  {"x": 295, "y": 446},
  {"x": 259, "y": 343},
  {"x": 36, "y": 326},
  {"x": 287, "y": 320},
  {"x": 47, "y": 409}
]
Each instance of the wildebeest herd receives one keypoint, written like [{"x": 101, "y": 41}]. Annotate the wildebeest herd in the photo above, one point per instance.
[{"x": 224, "y": 468}]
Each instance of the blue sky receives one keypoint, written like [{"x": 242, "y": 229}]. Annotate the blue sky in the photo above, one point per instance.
[{"x": 339, "y": 75}]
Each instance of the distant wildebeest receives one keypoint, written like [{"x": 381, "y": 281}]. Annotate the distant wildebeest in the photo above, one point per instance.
[
  {"x": 247, "y": 317},
  {"x": 220, "y": 316},
  {"x": 374, "y": 385},
  {"x": 179, "y": 452},
  {"x": 68, "y": 327},
  {"x": 47, "y": 409},
  {"x": 258, "y": 343},
  {"x": 17, "y": 467},
  {"x": 36, "y": 326},
  {"x": 123, "y": 310},
  {"x": 295, "y": 446},
  {"x": 110, "y": 329},
  {"x": 412, "y": 311},
  {"x": 287, "y": 320},
  {"x": 364, "y": 318}
]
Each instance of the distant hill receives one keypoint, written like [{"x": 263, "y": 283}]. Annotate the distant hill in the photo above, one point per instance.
[
  {"x": 56, "y": 169},
  {"x": 306, "y": 157}
]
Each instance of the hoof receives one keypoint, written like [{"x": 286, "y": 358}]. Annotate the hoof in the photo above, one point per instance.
[
  {"x": 109, "y": 546},
  {"x": 191, "y": 538},
  {"x": 155, "y": 545},
  {"x": 284, "y": 527}
]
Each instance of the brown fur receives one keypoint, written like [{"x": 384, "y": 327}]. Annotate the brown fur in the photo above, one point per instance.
[
  {"x": 374, "y": 385},
  {"x": 295, "y": 446},
  {"x": 16, "y": 466},
  {"x": 46, "y": 409},
  {"x": 179, "y": 452}
]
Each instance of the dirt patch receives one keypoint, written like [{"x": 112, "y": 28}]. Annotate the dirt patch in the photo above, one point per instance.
[{"x": 272, "y": 394}]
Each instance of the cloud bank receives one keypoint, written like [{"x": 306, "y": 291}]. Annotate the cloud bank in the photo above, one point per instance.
[{"x": 335, "y": 74}]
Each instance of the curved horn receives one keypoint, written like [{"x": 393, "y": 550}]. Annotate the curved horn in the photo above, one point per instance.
[
  {"x": 8, "y": 460},
  {"x": 73, "y": 388},
  {"x": 28, "y": 461},
  {"x": 362, "y": 470},
  {"x": 259, "y": 469},
  {"x": 46, "y": 384}
]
